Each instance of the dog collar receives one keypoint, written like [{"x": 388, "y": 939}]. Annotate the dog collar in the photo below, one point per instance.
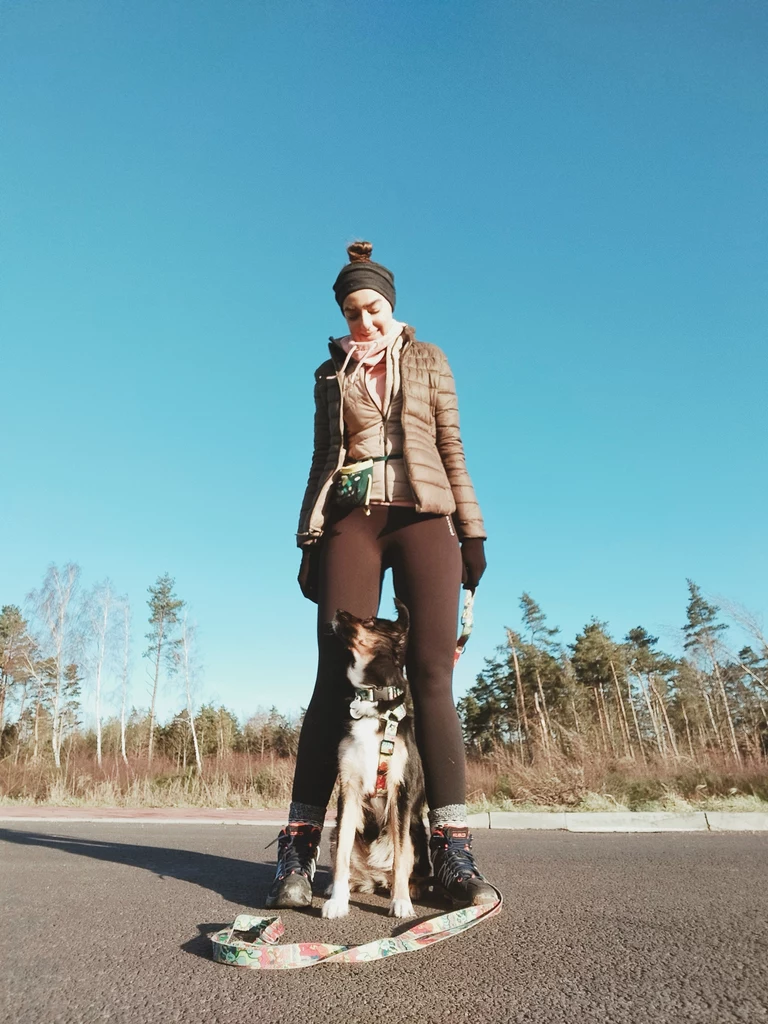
[
  {"x": 367, "y": 698},
  {"x": 376, "y": 693}
]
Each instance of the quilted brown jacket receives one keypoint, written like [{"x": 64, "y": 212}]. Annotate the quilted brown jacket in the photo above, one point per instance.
[{"x": 432, "y": 450}]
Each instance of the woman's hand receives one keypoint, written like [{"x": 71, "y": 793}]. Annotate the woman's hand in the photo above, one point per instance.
[
  {"x": 473, "y": 557},
  {"x": 308, "y": 572}
]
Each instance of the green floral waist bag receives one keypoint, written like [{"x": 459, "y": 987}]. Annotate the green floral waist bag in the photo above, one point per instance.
[{"x": 354, "y": 483}]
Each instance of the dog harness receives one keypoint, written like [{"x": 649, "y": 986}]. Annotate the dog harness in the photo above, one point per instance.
[
  {"x": 371, "y": 695},
  {"x": 391, "y": 721}
]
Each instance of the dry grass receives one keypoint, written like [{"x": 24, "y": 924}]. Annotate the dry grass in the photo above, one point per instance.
[
  {"x": 603, "y": 783},
  {"x": 238, "y": 780},
  {"x": 495, "y": 781}
]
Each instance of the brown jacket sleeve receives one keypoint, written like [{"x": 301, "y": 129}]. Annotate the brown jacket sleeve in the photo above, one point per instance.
[
  {"x": 468, "y": 518},
  {"x": 320, "y": 451}
]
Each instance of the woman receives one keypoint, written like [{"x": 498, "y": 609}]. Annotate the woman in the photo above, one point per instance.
[{"x": 384, "y": 396}]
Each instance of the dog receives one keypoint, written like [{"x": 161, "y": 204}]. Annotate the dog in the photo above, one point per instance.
[{"x": 380, "y": 838}]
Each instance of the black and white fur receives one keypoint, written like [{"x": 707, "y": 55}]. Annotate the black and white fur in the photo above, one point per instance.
[{"x": 379, "y": 839}]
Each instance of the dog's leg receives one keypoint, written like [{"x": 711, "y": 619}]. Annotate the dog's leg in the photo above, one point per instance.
[
  {"x": 334, "y": 844},
  {"x": 421, "y": 866},
  {"x": 400, "y": 903},
  {"x": 338, "y": 904}
]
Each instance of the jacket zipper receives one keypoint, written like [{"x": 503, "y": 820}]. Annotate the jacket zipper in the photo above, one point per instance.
[{"x": 403, "y": 408}]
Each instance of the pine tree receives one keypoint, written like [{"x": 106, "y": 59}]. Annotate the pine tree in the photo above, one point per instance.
[
  {"x": 755, "y": 666},
  {"x": 594, "y": 656},
  {"x": 164, "y": 608},
  {"x": 650, "y": 669},
  {"x": 218, "y": 730},
  {"x": 16, "y": 653},
  {"x": 538, "y": 670},
  {"x": 701, "y": 628},
  {"x": 487, "y": 711},
  {"x": 70, "y": 708},
  {"x": 702, "y": 635},
  {"x": 534, "y": 621}
]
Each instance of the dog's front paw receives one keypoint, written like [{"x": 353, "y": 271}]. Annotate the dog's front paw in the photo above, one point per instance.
[
  {"x": 401, "y": 908},
  {"x": 335, "y": 908}
]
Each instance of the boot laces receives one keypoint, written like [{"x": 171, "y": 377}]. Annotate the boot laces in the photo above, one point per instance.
[
  {"x": 454, "y": 859},
  {"x": 296, "y": 852}
]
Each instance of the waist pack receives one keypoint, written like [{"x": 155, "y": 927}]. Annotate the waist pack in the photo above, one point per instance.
[{"x": 354, "y": 483}]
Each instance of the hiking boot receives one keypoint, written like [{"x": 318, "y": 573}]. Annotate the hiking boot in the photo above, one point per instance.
[
  {"x": 297, "y": 849},
  {"x": 455, "y": 869}
]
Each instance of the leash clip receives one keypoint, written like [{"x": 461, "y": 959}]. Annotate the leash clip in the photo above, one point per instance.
[{"x": 357, "y": 707}]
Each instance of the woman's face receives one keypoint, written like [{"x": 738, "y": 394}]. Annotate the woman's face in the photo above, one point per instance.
[{"x": 368, "y": 315}]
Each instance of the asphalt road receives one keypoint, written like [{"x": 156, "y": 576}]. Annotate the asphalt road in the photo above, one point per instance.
[{"x": 110, "y": 923}]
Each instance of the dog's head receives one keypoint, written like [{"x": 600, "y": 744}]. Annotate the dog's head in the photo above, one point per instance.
[{"x": 367, "y": 638}]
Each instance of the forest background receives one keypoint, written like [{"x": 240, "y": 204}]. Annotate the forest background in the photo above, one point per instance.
[{"x": 581, "y": 724}]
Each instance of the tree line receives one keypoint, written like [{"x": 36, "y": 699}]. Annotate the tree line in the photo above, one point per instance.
[
  {"x": 623, "y": 698},
  {"x": 537, "y": 697},
  {"x": 68, "y": 638}
]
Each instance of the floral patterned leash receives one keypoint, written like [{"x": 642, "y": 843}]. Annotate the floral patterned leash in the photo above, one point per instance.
[{"x": 253, "y": 941}]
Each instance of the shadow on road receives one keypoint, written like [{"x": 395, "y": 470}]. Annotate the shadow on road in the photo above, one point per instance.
[
  {"x": 200, "y": 946},
  {"x": 238, "y": 881}
]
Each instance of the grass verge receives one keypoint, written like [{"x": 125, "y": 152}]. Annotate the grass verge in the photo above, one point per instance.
[{"x": 495, "y": 782}]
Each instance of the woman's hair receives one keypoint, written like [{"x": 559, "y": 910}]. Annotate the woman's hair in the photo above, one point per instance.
[
  {"x": 360, "y": 252},
  {"x": 362, "y": 272}
]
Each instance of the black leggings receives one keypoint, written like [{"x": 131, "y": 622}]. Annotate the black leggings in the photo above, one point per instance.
[{"x": 424, "y": 555}]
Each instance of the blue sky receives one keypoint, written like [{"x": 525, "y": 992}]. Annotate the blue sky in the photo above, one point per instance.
[{"x": 572, "y": 197}]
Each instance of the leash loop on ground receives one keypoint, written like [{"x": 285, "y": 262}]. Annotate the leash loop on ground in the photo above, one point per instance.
[{"x": 253, "y": 941}]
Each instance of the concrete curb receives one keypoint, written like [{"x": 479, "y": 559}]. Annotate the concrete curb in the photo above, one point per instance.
[
  {"x": 624, "y": 821},
  {"x": 637, "y": 821},
  {"x": 737, "y": 821},
  {"x": 564, "y": 821}
]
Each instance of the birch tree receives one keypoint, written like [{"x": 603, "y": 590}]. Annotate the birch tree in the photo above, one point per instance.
[
  {"x": 57, "y": 608},
  {"x": 184, "y": 654},
  {"x": 102, "y": 623},
  {"x": 124, "y": 618}
]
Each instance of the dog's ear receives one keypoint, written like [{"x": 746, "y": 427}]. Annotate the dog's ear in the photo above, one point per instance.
[{"x": 403, "y": 618}]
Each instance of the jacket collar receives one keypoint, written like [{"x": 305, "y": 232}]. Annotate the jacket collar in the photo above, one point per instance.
[{"x": 338, "y": 356}]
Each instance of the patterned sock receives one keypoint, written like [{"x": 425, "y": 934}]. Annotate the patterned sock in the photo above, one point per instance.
[
  {"x": 306, "y": 814},
  {"x": 443, "y": 815}
]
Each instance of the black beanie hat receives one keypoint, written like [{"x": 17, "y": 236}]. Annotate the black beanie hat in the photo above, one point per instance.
[{"x": 362, "y": 272}]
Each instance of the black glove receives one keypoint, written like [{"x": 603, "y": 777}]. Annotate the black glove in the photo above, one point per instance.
[
  {"x": 308, "y": 572},
  {"x": 473, "y": 557}
]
